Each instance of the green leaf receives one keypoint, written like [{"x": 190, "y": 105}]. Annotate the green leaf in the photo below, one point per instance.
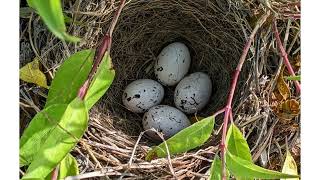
[
  {"x": 215, "y": 169},
  {"x": 70, "y": 77},
  {"x": 102, "y": 81},
  {"x": 51, "y": 13},
  {"x": 237, "y": 144},
  {"x": 293, "y": 78},
  {"x": 246, "y": 169},
  {"x": 290, "y": 166},
  {"x": 68, "y": 167},
  {"x": 60, "y": 140},
  {"x": 187, "y": 139},
  {"x": 38, "y": 130}
]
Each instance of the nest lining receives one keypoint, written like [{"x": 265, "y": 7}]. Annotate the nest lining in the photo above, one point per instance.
[{"x": 213, "y": 32}]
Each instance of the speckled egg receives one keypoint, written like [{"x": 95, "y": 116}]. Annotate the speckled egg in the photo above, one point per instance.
[
  {"x": 165, "y": 119},
  {"x": 172, "y": 64},
  {"x": 142, "y": 94},
  {"x": 193, "y": 92}
]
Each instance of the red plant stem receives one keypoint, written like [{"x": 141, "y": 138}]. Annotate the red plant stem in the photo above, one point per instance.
[
  {"x": 55, "y": 173},
  {"x": 218, "y": 112},
  {"x": 104, "y": 47},
  {"x": 284, "y": 55},
  {"x": 232, "y": 90}
]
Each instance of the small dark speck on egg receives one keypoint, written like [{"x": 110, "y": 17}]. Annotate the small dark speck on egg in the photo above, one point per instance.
[
  {"x": 144, "y": 90},
  {"x": 125, "y": 95},
  {"x": 129, "y": 99},
  {"x": 136, "y": 96},
  {"x": 160, "y": 69}
]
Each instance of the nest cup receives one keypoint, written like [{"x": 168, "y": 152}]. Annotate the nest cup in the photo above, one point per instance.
[{"x": 213, "y": 32}]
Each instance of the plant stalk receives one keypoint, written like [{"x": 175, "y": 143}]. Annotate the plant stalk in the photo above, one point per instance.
[
  {"x": 232, "y": 90},
  {"x": 104, "y": 47},
  {"x": 284, "y": 55}
]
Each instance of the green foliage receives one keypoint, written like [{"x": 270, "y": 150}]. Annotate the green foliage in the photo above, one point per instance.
[
  {"x": 38, "y": 130},
  {"x": 51, "y": 13},
  {"x": 60, "y": 140},
  {"x": 246, "y": 169},
  {"x": 68, "y": 167},
  {"x": 70, "y": 77},
  {"x": 237, "y": 144},
  {"x": 188, "y": 138},
  {"x": 216, "y": 168},
  {"x": 293, "y": 78},
  {"x": 102, "y": 81}
]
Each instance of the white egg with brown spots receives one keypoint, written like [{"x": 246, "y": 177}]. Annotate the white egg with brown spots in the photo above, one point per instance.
[
  {"x": 193, "y": 92},
  {"x": 142, "y": 94},
  {"x": 165, "y": 119},
  {"x": 172, "y": 64}
]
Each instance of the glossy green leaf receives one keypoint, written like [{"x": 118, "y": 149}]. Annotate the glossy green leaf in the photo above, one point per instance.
[
  {"x": 38, "y": 130},
  {"x": 70, "y": 77},
  {"x": 51, "y": 13},
  {"x": 102, "y": 81},
  {"x": 246, "y": 169},
  {"x": 293, "y": 78},
  {"x": 290, "y": 166},
  {"x": 60, "y": 140},
  {"x": 237, "y": 144},
  {"x": 68, "y": 167},
  {"x": 215, "y": 169},
  {"x": 189, "y": 138}
]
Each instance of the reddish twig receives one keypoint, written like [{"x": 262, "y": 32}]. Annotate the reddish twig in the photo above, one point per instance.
[
  {"x": 284, "y": 55},
  {"x": 232, "y": 90},
  {"x": 104, "y": 47},
  {"x": 55, "y": 173}
]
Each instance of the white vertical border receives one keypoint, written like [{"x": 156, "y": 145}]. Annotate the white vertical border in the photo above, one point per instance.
[
  {"x": 9, "y": 90},
  {"x": 310, "y": 101}
]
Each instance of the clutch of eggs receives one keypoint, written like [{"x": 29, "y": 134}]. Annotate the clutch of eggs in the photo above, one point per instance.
[
  {"x": 193, "y": 92},
  {"x": 172, "y": 64},
  {"x": 165, "y": 119},
  {"x": 142, "y": 94}
]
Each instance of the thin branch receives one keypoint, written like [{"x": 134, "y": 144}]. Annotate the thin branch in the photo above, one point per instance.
[
  {"x": 284, "y": 55},
  {"x": 232, "y": 90},
  {"x": 104, "y": 47}
]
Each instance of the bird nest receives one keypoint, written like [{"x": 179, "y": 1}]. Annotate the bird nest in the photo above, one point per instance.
[{"x": 215, "y": 33}]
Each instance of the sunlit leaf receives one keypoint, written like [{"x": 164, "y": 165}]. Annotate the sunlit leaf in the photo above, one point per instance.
[
  {"x": 60, "y": 140},
  {"x": 38, "y": 130},
  {"x": 215, "y": 169},
  {"x": 68, "y": 167},
  {"x": 237, "y": 144},
  {"x": 51, "y": 13},
  {"x": 70, "y": 77},
  {"x": 245, "y": 169},
  {"x": 102, "y": 81},
  {"x": 289, "y": 166},
  {"x": 293, "y": 78},
  {"x": 32, "y": 74},
  {"x": 189, "y": 138}
]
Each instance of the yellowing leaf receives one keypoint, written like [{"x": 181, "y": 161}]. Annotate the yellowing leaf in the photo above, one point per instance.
[
  {"x": 290, "y": 166},
  {"x": 282, "y": 91},
  {"x": 32, "y": 74},
  {"x": 287, "y": 110}
]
